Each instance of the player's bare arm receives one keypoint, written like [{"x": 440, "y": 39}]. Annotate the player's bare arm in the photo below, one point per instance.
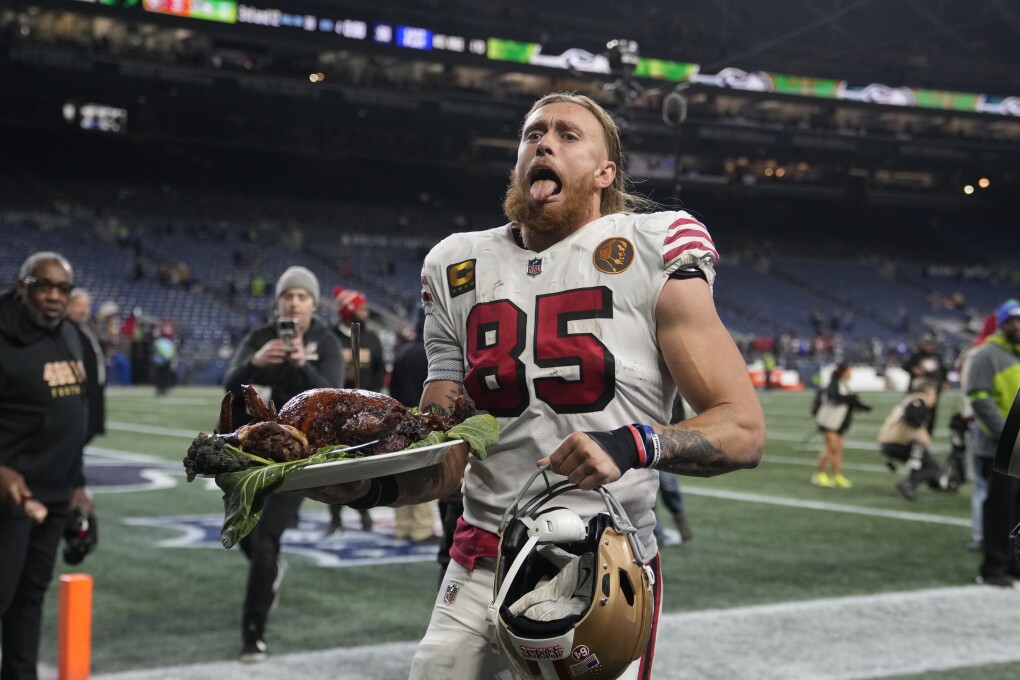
[
  {"x": 729, "y": 431},
  {"x": 437, "y": 481}
]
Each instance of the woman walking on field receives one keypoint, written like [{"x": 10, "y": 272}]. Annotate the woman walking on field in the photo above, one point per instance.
[{"x": 833, "y": 418}]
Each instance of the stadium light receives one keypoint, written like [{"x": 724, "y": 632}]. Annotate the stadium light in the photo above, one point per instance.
[
  {"x": 984, "y": 183},
  {"x": 968, "y": 189}
]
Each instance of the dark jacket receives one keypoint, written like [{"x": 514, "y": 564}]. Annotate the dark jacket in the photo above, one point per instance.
[
  {"x": 43, "y": 403},
  {"x": 932, "y": 368},
  {"x": 324, "y": 367},
  {"x": 373, "y": 366},
  {"x": 95, "y": 372},
  {"x": 410, "y": 368}
]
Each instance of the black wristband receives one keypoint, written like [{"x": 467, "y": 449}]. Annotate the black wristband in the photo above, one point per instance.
[
  {"x": 631, "y": 446},
  {"x": 381, "y": 491},
  {"x": 621, "y": 446}
]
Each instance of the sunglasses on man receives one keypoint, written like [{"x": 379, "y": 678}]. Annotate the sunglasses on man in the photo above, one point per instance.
[{"x": 45, "y": 286}]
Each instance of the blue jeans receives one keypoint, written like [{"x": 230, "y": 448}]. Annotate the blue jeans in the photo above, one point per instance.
[{"x": 669, "y": 489}]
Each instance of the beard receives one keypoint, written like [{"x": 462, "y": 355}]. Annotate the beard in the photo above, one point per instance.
[
  {"x": 37, "y": 316},
  {"x": 561, "y": 218}
]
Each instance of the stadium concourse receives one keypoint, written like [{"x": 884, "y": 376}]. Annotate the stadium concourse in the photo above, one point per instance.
[{"x": 851, "y": 638}]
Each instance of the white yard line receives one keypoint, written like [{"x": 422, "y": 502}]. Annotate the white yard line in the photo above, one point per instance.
[
  {"x": 151, "y": 429},
  {"x": 850, "y": 638},
  {"x": 813, "y": 463},
  {"x": 821, "y": 505}
]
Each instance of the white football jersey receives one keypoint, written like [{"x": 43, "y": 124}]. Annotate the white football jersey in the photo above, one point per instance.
[{"x": 562, "y": 341}]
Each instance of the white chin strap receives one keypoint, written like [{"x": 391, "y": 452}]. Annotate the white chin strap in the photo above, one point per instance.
[{"x": 492, "y": 615}]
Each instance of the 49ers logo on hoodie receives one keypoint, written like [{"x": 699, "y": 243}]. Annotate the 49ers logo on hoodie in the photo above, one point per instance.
[{"x": 65, "y": 378}]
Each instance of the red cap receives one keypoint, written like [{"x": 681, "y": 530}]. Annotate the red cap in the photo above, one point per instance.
[
  {"x": 348, "y": 301},
  {"x": 987, "y": 328}
]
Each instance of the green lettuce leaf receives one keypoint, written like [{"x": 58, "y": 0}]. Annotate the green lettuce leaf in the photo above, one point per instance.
[
  {"x": 244, "y": 496},
  {"x": 245, "y": 492},
  {"x": 479, "y": 432}
]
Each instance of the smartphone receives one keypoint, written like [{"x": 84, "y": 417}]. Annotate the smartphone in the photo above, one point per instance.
[{"x": 286, "y": 330}]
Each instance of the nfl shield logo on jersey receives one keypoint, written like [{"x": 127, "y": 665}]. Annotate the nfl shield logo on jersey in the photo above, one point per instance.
[
  {"x": 450, "y": 596},
  {"x": 535, "y": 267}
]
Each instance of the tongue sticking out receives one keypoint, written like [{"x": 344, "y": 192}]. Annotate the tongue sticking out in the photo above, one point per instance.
[{"x": 543, "y": 189}]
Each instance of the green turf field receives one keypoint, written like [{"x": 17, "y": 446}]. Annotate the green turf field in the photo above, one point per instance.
[{"x": 761, "y": 536}]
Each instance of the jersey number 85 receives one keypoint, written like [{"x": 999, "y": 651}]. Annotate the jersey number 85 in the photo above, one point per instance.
[{"x": 497, "y": 378}]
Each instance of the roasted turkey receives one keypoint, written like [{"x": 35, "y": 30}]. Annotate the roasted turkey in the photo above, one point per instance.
[{"x": 331, "y": 416}]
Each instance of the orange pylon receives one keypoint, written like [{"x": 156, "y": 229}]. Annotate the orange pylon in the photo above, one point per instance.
[{"x": 74, "y": 631}]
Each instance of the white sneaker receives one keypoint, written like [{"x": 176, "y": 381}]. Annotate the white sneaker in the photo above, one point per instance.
[{"x": 281, "y": 571}]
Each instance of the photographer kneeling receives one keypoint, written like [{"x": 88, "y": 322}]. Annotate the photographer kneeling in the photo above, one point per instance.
[{"x": 904, "y": 438}]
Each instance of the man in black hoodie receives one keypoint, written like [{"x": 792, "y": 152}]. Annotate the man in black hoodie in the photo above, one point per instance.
[
  {"x": 295, "y": 353},
  {"x": 42, "y": 432}
]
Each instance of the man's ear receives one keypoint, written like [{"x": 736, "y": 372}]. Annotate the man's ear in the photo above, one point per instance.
[{"x": 605, "y": 175}]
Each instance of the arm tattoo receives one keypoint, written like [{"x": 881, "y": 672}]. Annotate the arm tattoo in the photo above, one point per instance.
[
  {"x": 448, "y": 399},
  {"x": 689, "y": 452}
]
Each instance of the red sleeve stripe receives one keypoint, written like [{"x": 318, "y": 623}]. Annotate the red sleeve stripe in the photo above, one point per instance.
[
  {"x": 700, "y": 234},
  {"x": 693, "y": 233},
  {"x": 674, "y": 253},
  {"x": 687, "y": 220}
]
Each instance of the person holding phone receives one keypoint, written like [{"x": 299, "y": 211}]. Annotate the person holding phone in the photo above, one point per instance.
[{"x": 297, "y": 352}]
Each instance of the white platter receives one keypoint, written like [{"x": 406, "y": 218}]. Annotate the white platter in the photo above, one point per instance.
[{"x": 340, "y": 471}]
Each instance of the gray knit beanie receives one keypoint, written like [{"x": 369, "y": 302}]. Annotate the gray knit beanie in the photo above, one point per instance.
[{"x": 298, "y": 277}]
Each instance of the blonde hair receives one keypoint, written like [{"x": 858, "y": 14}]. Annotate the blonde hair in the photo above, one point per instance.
[{"x": 615, "y": 198}]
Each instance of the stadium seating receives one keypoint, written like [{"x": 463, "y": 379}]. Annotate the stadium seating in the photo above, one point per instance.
[{"x": 129, "y": 255}]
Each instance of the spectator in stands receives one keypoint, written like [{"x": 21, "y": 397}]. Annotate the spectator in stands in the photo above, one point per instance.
[
  {"x": 351, "y": 308},
  {"x": 43, "y": 398},
  {"x": 407, "y": 380},
  {"x": 79, "y": 311},
  {"x": 284, "y": 359},
  {"x": 817, "y": 323},
  {"x": 833, "y": 417},
  {"x": 904, "y": 438},
  {"x": 925, "y": 363},
  {"x": 902, "y": 322},
  {"x": 257, "y": 285},
  {"x": 992, "y": 383}
]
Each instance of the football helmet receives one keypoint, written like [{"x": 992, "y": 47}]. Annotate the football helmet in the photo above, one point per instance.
[
  {"x": 570, "y": 596},
  {"x": 81, "y": 535}
]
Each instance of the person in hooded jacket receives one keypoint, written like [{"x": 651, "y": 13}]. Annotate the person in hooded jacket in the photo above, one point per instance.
[
  {"x": 43, "y": 398},
  {"x": 297, "y": 352}
]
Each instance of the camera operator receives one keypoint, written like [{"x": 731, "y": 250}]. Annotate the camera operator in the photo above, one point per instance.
[
  {"x": 295, "y": 353},
  {"x": 992, "y": 381}
]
